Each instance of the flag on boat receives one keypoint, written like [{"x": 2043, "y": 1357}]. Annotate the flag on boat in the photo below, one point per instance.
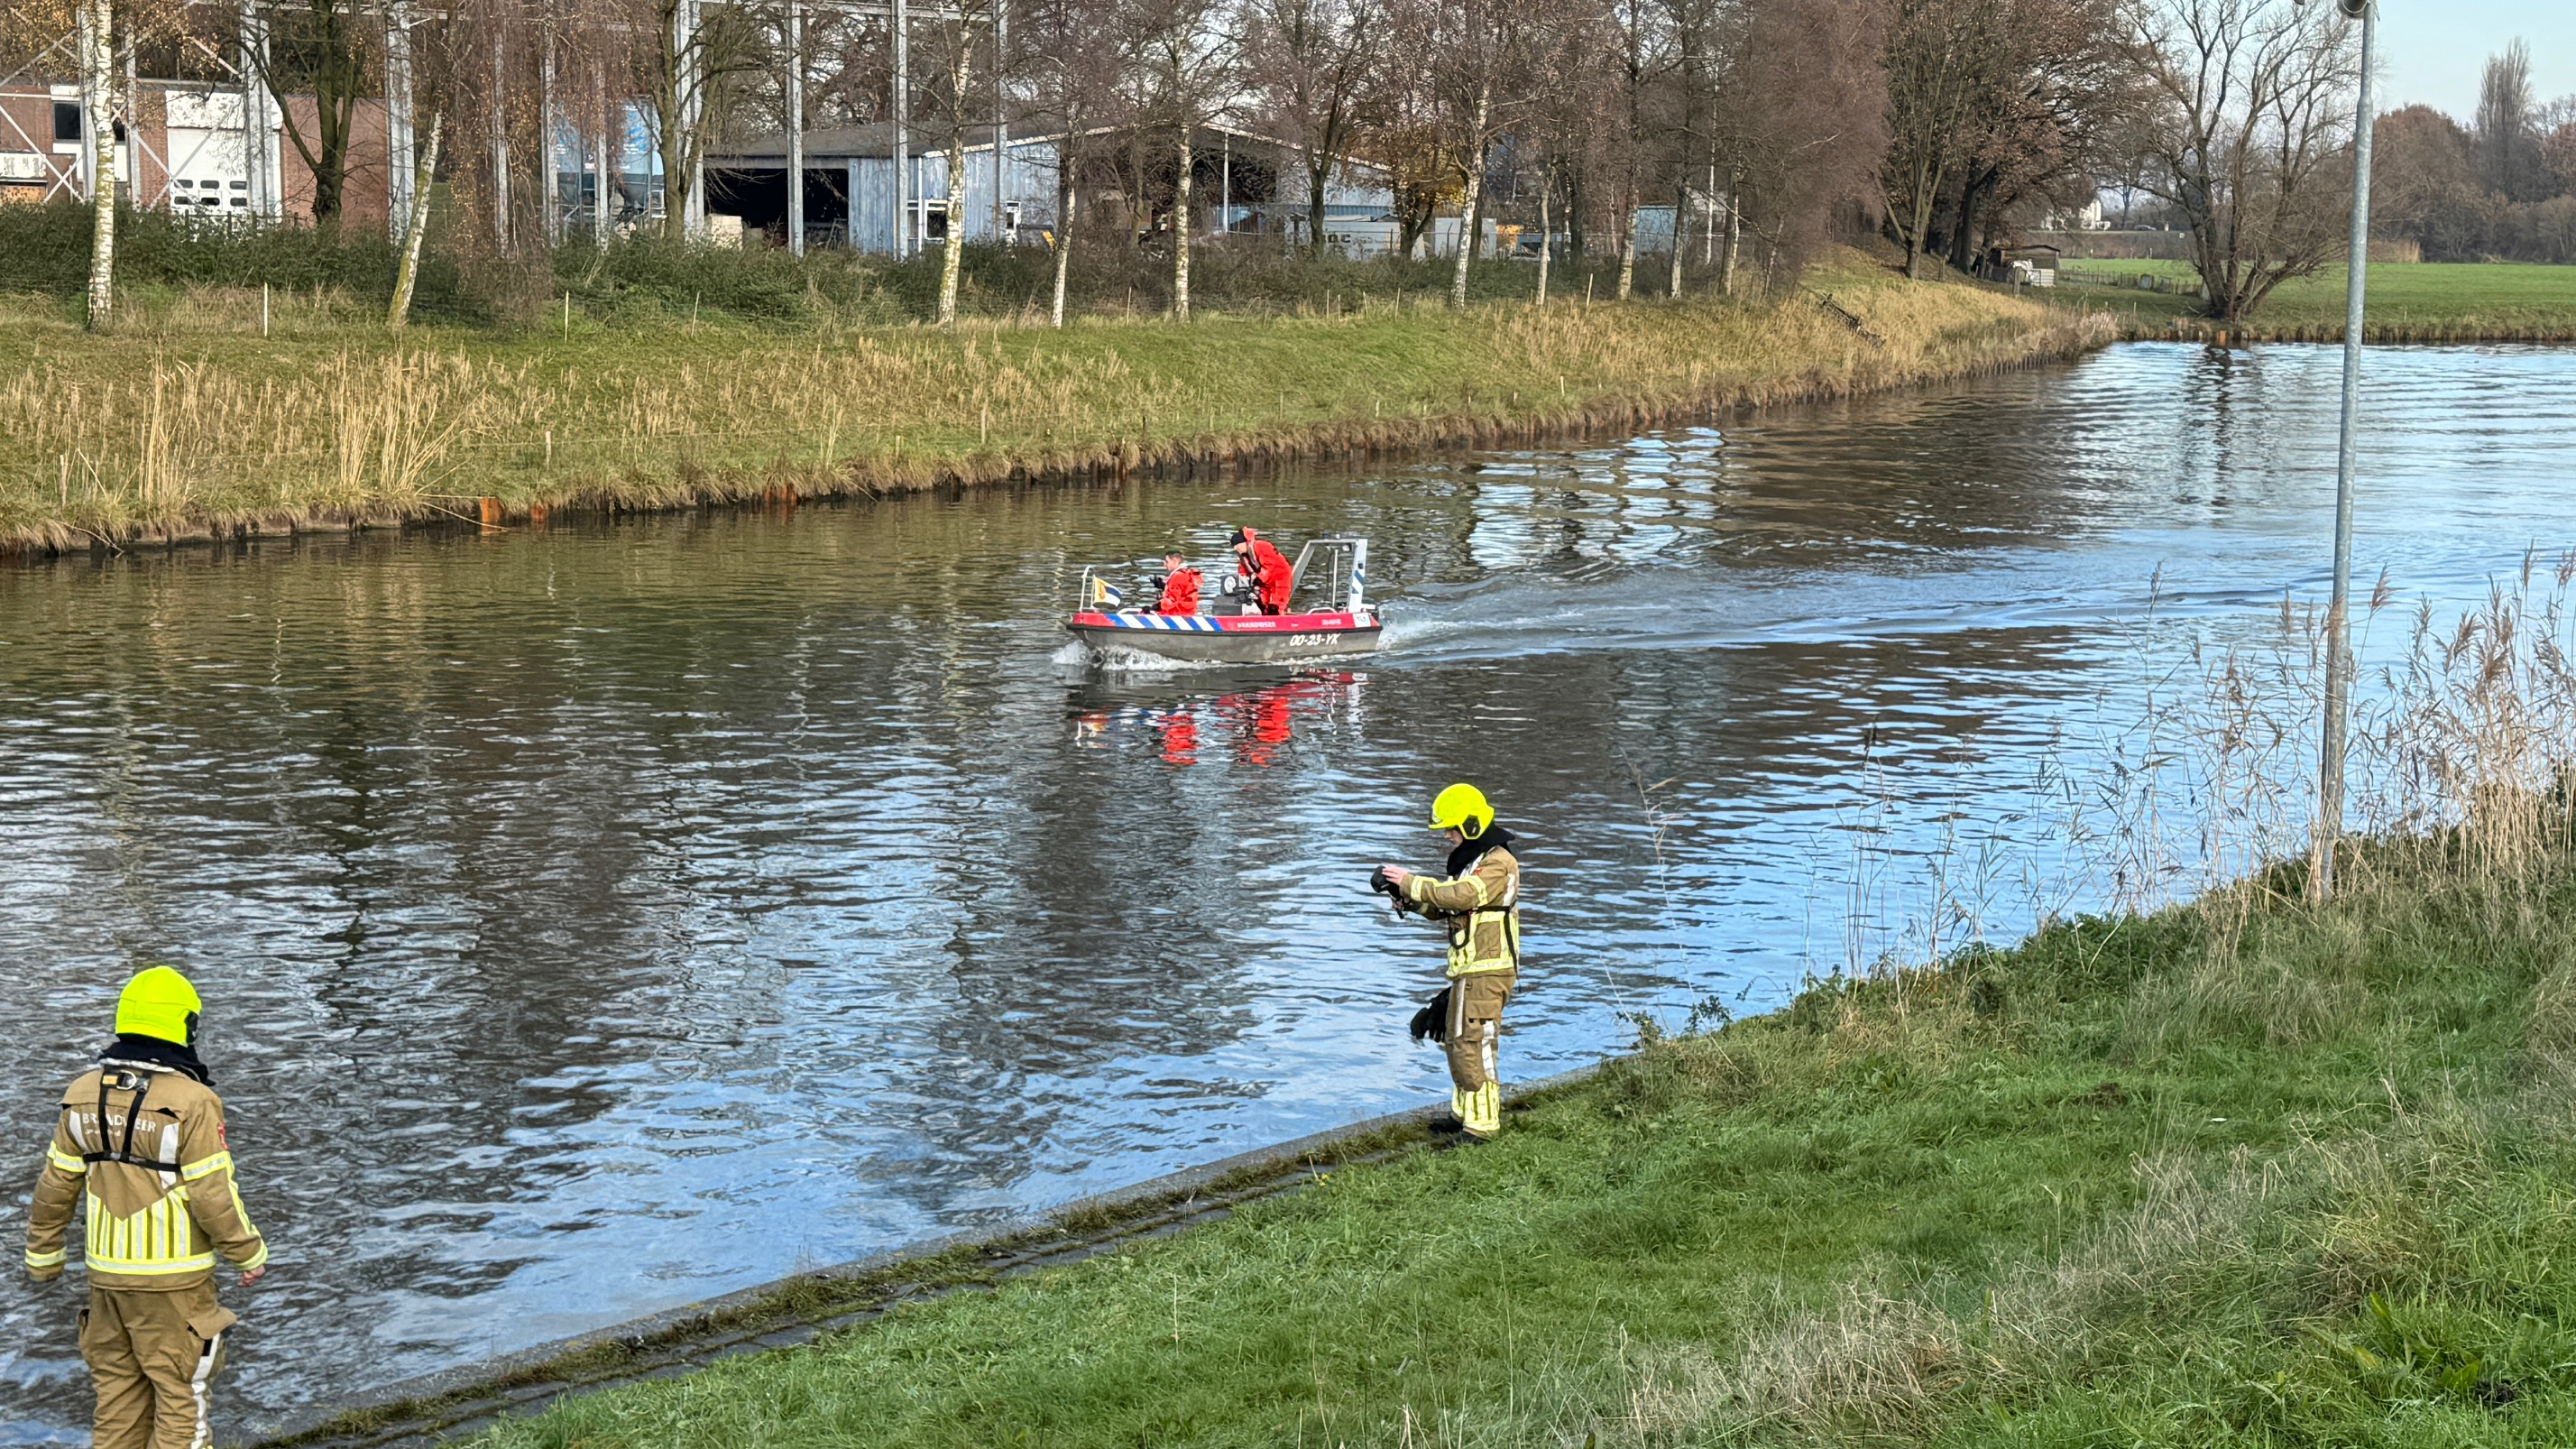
[{"x": 1104, "y": 595}]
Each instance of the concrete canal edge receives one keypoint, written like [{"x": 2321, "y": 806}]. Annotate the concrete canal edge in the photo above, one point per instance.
[{"x": 795, "y": 1310}]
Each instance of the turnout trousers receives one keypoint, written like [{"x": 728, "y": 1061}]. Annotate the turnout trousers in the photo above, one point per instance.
[
  {"x": 154, "y": 1357},
  {"x": 1475, "y": 1031}
]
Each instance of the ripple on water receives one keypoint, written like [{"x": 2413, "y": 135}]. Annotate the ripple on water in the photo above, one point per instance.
[{"x": 599, "y": 919}]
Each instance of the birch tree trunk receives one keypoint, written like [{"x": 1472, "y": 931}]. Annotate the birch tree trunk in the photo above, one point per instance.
[
  {"x": 1628, "y": 248},
  {"x": 1547, "y": 185},
  {"x": 1181, "y": 234},
  {"x": 1734, "y": 238},
  {"x": 98, "y": 87},
  {"x": 1634, "y": 76},
  {"x": 1467, "y": 228},
  {"x": 497, "y": 123},
  {"x": 1681, "y": 209},
  {"x": 402, "y": 146},
  {"x": 952, "y": 255},
  {"x": 416, "y": 226},
  {"x": 1319, "y": 176},
  {"x": 549, "y": 167},
  {"x": 1063, "y": 224}
]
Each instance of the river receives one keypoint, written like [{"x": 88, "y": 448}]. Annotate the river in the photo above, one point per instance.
[{"x": 598, "y": 918}]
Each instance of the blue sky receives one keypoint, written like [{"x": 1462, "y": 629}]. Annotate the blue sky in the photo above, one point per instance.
[{"x": 2432, "y": 50}]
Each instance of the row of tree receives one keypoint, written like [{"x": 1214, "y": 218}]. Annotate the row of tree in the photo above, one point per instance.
[
  {"x": 1758, "y": 126},
  {"x": 2502, "y": 186}
]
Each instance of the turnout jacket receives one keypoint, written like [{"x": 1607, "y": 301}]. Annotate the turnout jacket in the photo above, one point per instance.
[
  {"x": 143, "y": 1145},
  {"x": 1479, "y": 904}
]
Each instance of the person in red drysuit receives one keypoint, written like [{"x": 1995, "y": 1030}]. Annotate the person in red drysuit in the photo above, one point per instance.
[
  {"x": 1268, "y": 569},
  {"x": 1180, "y": 587}
]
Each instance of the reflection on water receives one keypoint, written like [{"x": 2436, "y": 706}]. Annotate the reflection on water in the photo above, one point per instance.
[{"x": 597, "y": 919}]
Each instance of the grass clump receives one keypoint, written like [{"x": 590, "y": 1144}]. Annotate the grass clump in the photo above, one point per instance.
[{"x": 2251, "y": 1169}]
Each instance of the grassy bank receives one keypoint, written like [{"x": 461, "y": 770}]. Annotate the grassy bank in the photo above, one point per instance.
[
  {"x": 207, "y": 427},
  {"x": 2250, "y": 1170},
  {"x": 2404, "y": 302},
  {"x": 2300, "y": 1179}
]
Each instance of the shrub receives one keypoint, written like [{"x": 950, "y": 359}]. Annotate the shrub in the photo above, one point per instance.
[{"x": 45, "y": 249}]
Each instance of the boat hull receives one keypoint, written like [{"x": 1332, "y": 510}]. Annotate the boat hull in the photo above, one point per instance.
[{"x": 1228, "y": 638}]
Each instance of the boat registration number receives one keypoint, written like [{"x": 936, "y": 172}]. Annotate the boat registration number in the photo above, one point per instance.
[{"x": 1308, "y": 641}]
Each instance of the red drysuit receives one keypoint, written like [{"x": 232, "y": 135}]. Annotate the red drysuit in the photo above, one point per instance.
[
  {"x": 1270, "y": 572},
  {"x": 1180, "y": 593}
]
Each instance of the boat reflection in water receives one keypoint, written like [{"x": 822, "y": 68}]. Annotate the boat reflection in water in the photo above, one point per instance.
[{"x": 1252, "y": 726}]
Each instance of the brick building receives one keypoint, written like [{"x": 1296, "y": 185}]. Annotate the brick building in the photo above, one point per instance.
[{"x": 195, "y": 149}]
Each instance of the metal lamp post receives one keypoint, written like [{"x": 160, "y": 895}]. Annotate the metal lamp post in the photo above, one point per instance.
[{"x": 2339, "y": 607}]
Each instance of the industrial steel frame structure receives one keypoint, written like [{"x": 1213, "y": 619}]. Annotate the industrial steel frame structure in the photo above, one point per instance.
[{"x": 261, "y": 118}]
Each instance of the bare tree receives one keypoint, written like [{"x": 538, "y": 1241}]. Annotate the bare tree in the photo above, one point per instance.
[
  {"x": 1637, "y": 65},
  {"x": 1407, "y": 137},
  {"x": 2508, "y": 133},
  {"x": 2424, "y": 185},
  {"x": 1317, "y": 67},
  {"x": 429, "y": 87},
  {"x": 326, "y": 48},
  {"x": 1939, "y": 55},
  {"x": 1073, "y": 72},
  {"x": 1799, "y": 126},
  {"x": 416, "y": 224},
  {"x": 956, "y": 39},
  {"x": 694, "y": 60},
  {"x": 2248, "y": 121},
  {"x": 2042, "y": 121},
  {"x": 1555, "y": 137},
  {"x": 1185, "y": 55},
  {"x": 98, "y": 72},
  {"x": 106, "y": 106},
  {"x": 1482, "y": 78}
]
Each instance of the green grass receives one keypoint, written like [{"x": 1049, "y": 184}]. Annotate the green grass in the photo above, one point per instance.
[
  {"x": 202, "y": 425},
  {"x": 2120, "y": 1185},
  {"x": 2432, "y": 301}
]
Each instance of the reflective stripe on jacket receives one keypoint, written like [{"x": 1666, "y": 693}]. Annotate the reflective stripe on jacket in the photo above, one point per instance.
[
  {"x": 1481, "y": 909},
  {"x": 145, "y": 1146}
]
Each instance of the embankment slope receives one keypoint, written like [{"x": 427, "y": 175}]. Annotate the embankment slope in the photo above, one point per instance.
[
  {"x": 141, "y": 438},
  {"x": 2253, "y": 1171}
]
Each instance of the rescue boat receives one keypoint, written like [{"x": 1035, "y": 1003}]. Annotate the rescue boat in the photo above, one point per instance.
[{"x": 1328, "y": 615}]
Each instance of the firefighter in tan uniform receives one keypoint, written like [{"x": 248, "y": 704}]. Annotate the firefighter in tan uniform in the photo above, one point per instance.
[
  {"x": 141, "y": 1139},
  {"x": 1479, "y": 905}
]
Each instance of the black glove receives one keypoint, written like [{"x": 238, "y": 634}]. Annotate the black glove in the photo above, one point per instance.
[
  {"x": 1433, "y": 1020},
  {"x": 1380, "y": 884}
]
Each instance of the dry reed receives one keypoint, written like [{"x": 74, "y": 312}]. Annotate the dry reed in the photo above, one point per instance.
[{"x": 137, "y": 438}]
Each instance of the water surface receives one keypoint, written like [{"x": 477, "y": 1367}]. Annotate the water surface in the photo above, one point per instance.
[{"x": 596, "y": 919}]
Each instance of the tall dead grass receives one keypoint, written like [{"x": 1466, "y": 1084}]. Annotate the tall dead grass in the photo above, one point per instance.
[{"x": 136, "y": 437}]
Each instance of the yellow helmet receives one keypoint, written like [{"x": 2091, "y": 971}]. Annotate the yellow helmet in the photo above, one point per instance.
[
  {"x": 1462, "y": 808},
  {"x": 158, "y": 1003}
]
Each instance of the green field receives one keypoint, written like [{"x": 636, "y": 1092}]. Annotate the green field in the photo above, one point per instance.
[
  {"x": 2431, "y": 301},
  {"x": 2253, "y": 1173}
]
